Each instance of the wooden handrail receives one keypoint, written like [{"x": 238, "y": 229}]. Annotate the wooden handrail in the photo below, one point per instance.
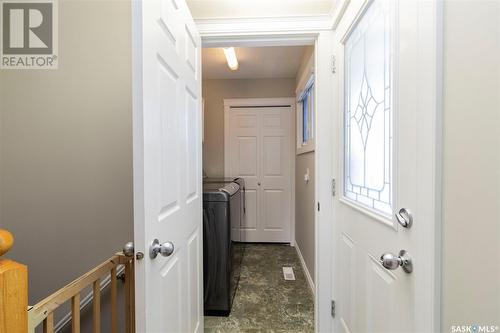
[
  {"x": 13, "y": 290},
  {"x": 42, "y": 312}
]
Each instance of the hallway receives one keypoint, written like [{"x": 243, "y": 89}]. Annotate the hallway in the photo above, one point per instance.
[{"x": 264, "y": 301}]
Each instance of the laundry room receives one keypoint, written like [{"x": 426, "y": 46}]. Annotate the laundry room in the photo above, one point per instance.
[{"x": 259, "y": 206}]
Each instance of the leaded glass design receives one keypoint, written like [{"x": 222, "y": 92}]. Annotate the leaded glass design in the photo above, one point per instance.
[{"x": 368, "y": 112}]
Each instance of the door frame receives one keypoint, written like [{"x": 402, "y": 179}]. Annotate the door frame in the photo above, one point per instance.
[
  {"x": 430, "y": 80},
  {"x": 265, "y": 102},
  {"x": 316, "y": 31},
  {"x": 319, "y": 31}
]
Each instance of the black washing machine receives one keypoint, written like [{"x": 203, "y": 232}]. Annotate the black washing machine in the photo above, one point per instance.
[
  {"x": 221, "y": 255},
  {"x": 237, "y": 233}
]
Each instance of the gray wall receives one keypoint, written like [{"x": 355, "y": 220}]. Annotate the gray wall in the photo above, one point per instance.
[
  {"x": 305, "y": 192},
  {"x": 471, "y": 198},
  {"x": 214, "y": 91},
  {"x": 66, "y": 148},
  {"x": 305, "y": 209}
]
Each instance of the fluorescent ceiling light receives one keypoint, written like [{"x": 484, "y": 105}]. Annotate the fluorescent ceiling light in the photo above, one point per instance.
[{"x": 232, "y": 62}]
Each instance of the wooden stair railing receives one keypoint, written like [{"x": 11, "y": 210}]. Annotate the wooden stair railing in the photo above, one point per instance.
[
  {"x": 43, "y": 311},
  {"x": 17, "y": 317}
]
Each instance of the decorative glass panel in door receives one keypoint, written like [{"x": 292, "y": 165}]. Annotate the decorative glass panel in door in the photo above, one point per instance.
[{"x": 368, "y": 109}]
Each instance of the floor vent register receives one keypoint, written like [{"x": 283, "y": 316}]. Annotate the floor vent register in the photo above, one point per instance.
[{"x": 288, "y": 273}]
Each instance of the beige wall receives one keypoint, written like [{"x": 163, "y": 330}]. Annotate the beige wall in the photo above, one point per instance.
[
  {"x": 306, "y": 67},
  {"x": 304, "y": 191},
  {"x": 66, "y": 147},
  {"x": 471, "y": 198},
  {"x": 214, "y": 92}
]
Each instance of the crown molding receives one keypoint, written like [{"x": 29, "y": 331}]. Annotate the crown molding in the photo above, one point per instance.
[{"x": 257, "y": 25}]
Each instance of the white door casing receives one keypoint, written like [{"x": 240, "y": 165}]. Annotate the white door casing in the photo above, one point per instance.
[
  {"x": 369, "y": 297},
  {"x": 167, "y": 166},
  {"x": 272, "y": 32},
  {"x": 259, "y": 148}
]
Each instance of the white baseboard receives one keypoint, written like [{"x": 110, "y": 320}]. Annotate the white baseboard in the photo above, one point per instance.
[
  {"x": 86, "y": 301},
  {"x": 305, "y": 269}
]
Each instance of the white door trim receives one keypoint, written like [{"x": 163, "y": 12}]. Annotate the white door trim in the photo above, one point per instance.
[
  {"x": 260, "y": 102},
  {"x": 265, "y": 33},
  {"x": 242, "y": 102}
]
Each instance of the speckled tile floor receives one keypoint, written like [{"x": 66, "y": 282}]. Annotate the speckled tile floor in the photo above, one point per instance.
[{"x": 265, "y": 302}]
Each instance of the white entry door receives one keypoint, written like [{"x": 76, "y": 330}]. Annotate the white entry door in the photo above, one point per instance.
[
  {"x": 167, "y": 167},
  {"x": 387, "y": 57},
  {"x": 259, "y": 149}
]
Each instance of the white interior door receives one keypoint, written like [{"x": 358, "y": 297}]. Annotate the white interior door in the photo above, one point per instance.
[
  {"x": 387, "y": 53},
  {"x": 260, "y": 143},
  {"x": 167, "y": 166}
]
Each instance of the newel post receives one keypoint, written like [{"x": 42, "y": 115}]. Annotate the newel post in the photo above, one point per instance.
[{"x": 13, "y": 290}]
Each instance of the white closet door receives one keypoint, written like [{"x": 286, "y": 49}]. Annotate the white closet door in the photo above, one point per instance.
[
  {"x": 244, "y": 155},
  {"x": 260, "y": 141},
  {"x": 275, "y": 180}
]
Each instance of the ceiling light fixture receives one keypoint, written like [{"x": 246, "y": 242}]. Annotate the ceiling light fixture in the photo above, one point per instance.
[{"x": 232, "y": 62}]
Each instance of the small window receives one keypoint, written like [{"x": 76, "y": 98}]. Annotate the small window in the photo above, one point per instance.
[{"x": 305, "y": 118}]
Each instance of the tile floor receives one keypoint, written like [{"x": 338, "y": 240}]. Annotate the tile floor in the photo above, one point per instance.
[{"x": 264, "y": 301}]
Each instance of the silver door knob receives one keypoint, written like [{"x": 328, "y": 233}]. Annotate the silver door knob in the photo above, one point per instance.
[
  {"x": 128, "y": 249},
  {"x": 404, "y": 217},
  {"x": 165, "y": 249},
  {"x": 391, "y": 261}
]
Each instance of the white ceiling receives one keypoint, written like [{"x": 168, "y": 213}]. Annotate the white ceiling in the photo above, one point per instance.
[
  {"x": 254, "y": 62},
  {"x": 201, "y": 9}
]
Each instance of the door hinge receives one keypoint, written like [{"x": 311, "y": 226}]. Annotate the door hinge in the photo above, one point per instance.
[
  {"x": 333, "y": 309},
  {"x": 334, "y": 65},
  {"x": 334, "y": 187},
  {"x": 318, "y": 206}
]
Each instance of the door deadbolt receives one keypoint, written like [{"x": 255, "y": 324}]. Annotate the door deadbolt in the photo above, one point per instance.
[{"x": 404, "y": 217}]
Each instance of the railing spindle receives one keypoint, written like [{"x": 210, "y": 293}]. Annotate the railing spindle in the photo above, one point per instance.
[
  {"x": 75, "y": 314},
  {"x": 114, "y": 317},
  {"x": 96, "y": 306},
  {"x": 48, "y": 323}
]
